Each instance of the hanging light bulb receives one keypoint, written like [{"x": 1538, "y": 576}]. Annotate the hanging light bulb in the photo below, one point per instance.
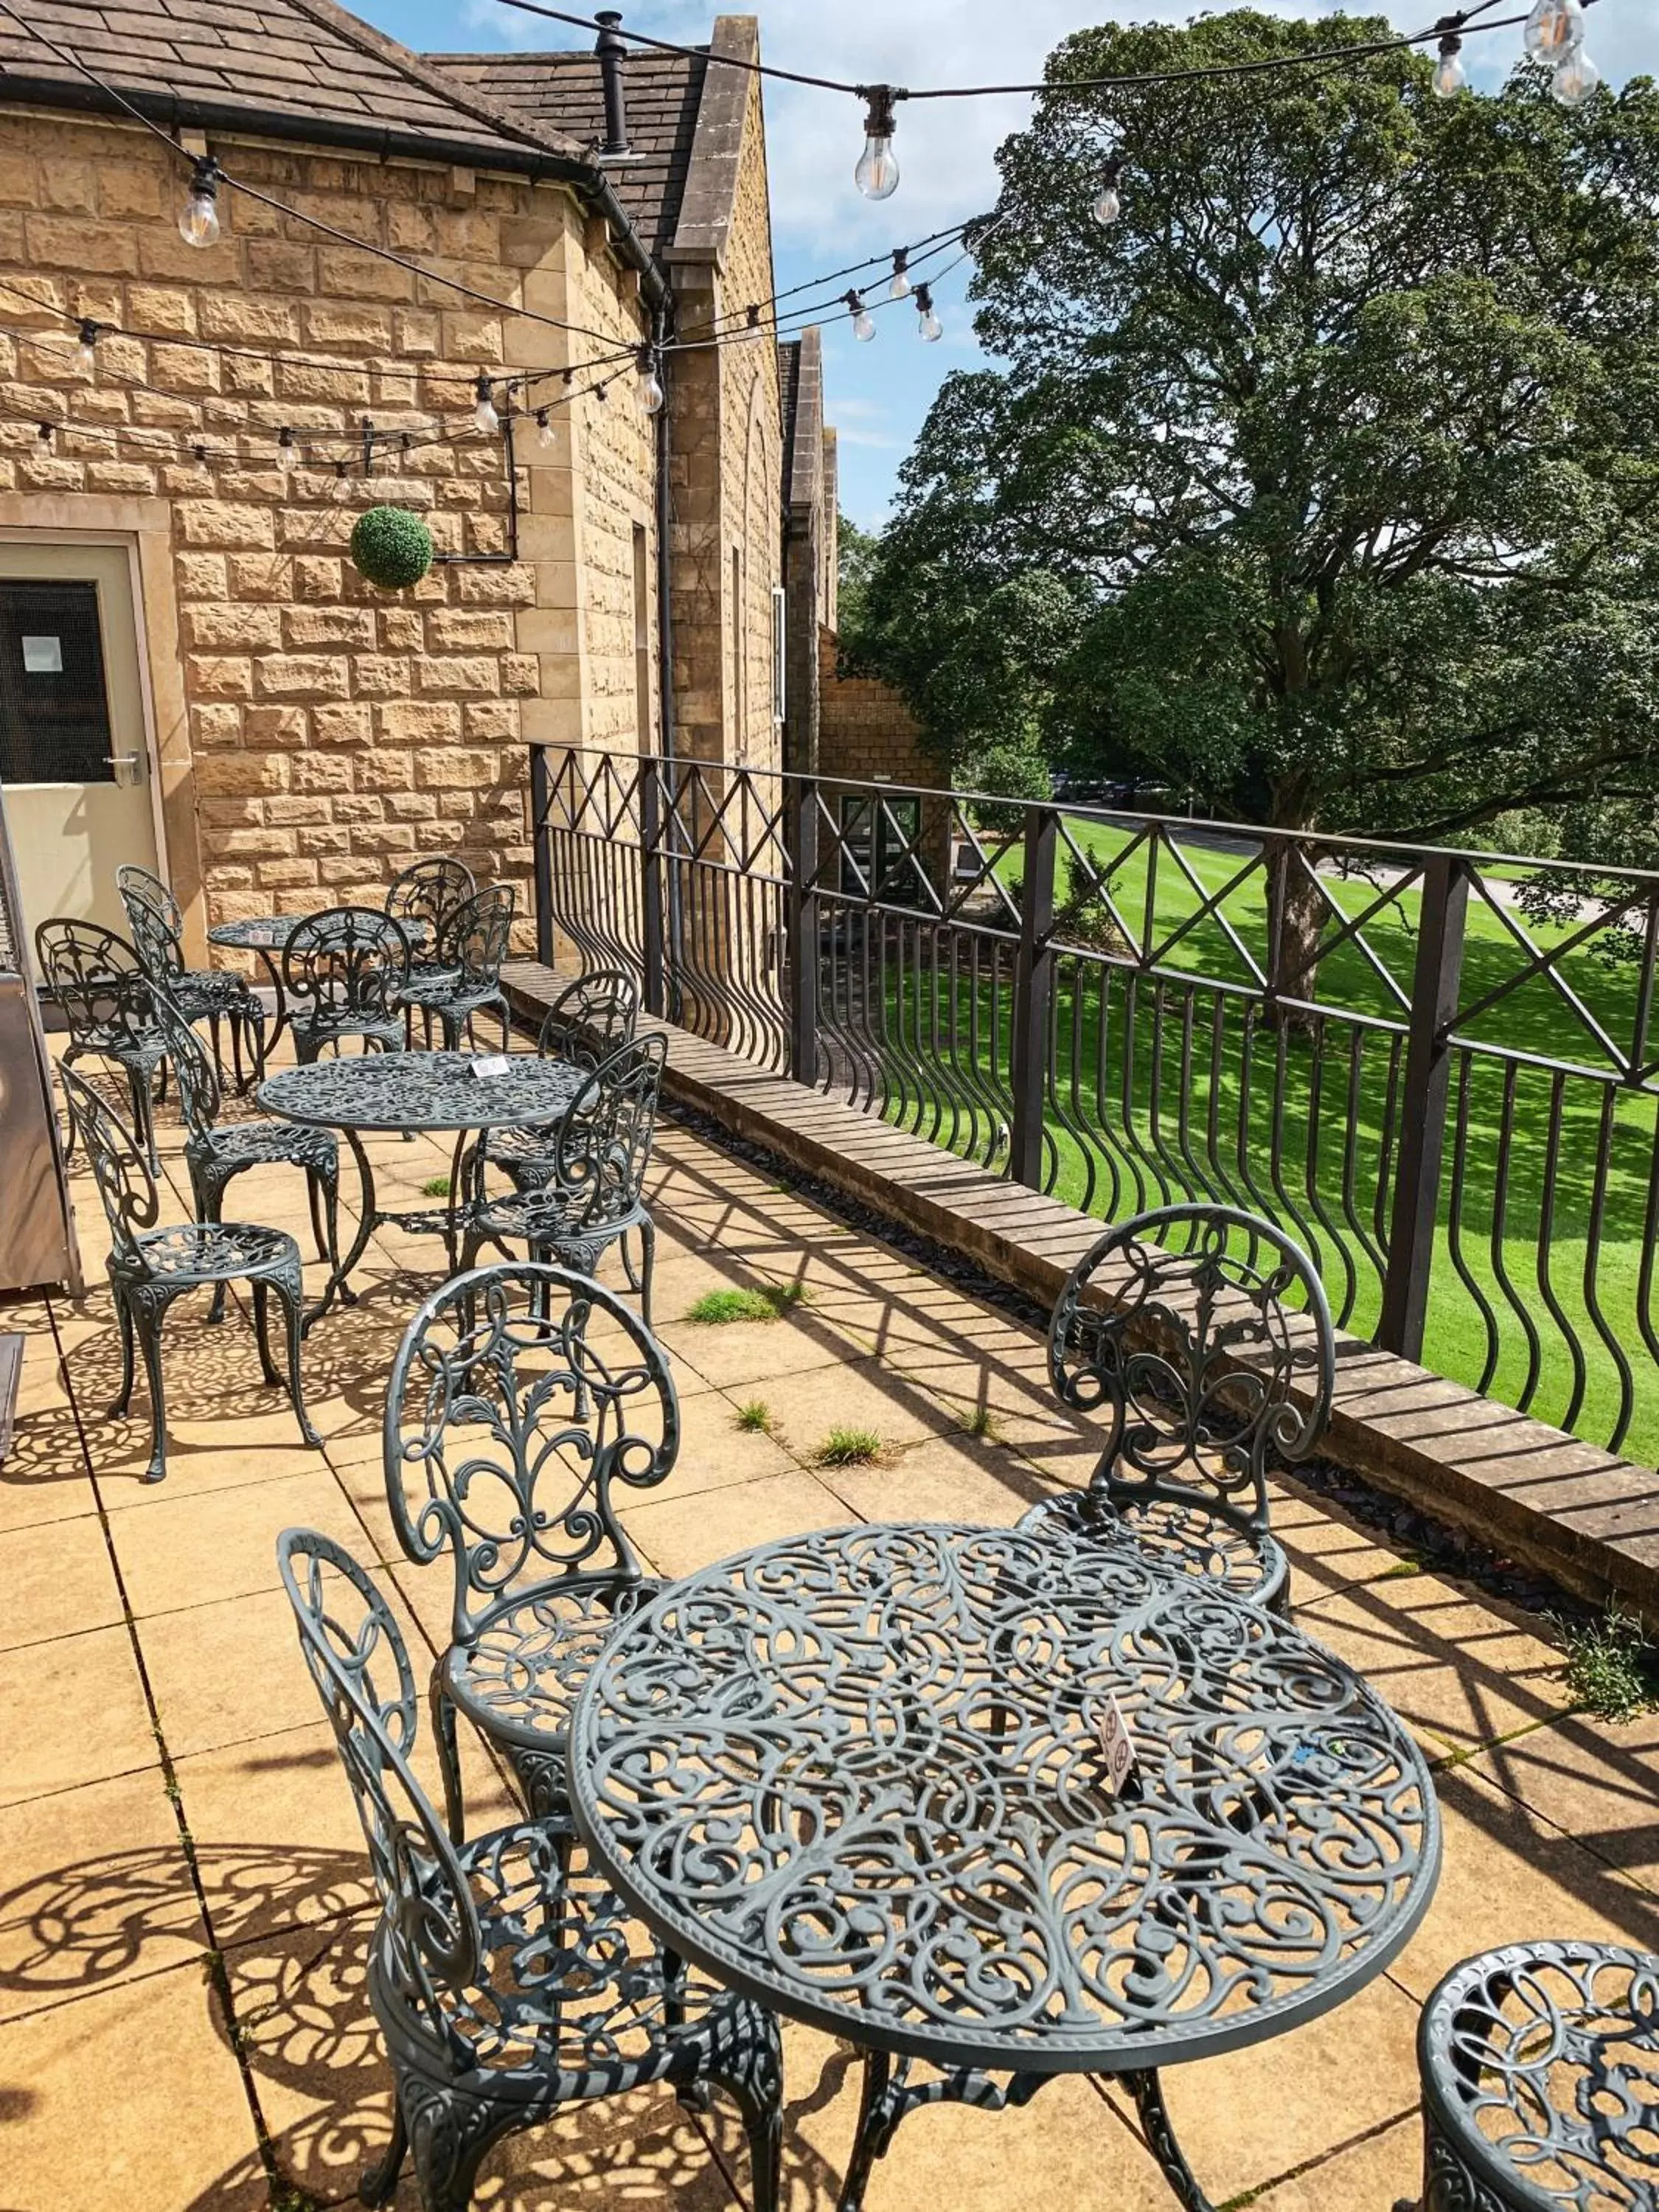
[
  {"x": 1108, "y": 206},
  {"x": 877, "y": 173},
  {"x": 543, "y": 429},
  {"x": 899, "y": 289},
  {"x": 483, "y": 414},
  {"x": 1554, "y": 29},
  {"x": 46, "y": 433},
  {"x": 650, "y": 391},
  {"x": 864, "y": 322},
  {"x": 1450, "y": 77},
  {"x": 86, "y": 357},
  {"x": 286, "y": 454},
  {"x": 198, "y": 224},
  {"x": 1573, "y": 78},
  {"x": 751, "y": 327},
  {"x": 928, "y": 323}
]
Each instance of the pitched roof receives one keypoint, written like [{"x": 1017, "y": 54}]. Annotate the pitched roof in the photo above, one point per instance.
[
  {"x": 300, "y": 67},
  {"x": 563, "y": 92}
]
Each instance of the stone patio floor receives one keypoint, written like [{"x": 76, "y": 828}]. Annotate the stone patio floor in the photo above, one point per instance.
[{"x": 183, "y": 2022}]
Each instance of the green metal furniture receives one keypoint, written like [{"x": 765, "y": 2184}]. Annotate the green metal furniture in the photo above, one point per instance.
[
  {"x": 588, "y": 1021},
  {"x": 522, "y": 1400},
  {"x": 1179, "y": 1327},
  {"x": 595, "y": 1195},
  {"x": 94, "y": 978},
  {"x": 508, "y": 1980},
  {"x": 202, "y": 994},
  {"x": 1540, "y": 2067},
  {"x": 150, "y": 1267},
  {"x": 466, "y": 977},
  {"x": 216, "y": 1153},
  {"x": 343, "y": 975}
]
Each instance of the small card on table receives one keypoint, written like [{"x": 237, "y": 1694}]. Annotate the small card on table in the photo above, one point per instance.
[
  {"x": 1115, "y": 1742},
  {"x": 493, "y": 1063}
]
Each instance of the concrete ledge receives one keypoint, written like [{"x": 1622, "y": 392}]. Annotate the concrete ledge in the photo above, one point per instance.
[{"x": 1588, "y": 1519}]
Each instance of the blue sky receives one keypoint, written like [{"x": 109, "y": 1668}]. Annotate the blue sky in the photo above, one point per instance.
[{"x": 878, "y": 392}]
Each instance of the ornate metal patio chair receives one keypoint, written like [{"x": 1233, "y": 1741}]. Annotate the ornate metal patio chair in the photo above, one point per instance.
[
  {"x": 467, "y": 977},
  {"x": 1539, "y": 2065},
  {"x": 217, "y": 1154},
  {"x": 522, "y": 1396},
  {"x": 593, "y": 1197},
  {"x": 1176, "y": 1325},
  {"x": 429, "y": 893},
  {"x": 96, "y": 978},
  {"x": 507, "y": 1980},
  {"x": 344, "y": 975},
  {"x": 588, "y": 1021},
  {"x": 202, "y": 994},
  {"x": 150, "y": 1267}
]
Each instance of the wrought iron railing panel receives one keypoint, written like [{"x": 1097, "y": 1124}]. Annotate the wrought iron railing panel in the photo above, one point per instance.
[{"x": 1436, "y": 1070}]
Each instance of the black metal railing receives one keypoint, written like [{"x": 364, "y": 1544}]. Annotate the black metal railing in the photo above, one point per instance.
[{"x": 1435, "y": 1069}]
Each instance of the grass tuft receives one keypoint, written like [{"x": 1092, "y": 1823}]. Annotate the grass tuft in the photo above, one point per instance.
[
  {"x": 981, "y": 1422},
  {"x": 1400, "y": 1570},
  {"x": 755, "y": 1417},
  {"x": 715, "y": 1308},
  {"x": 849, "y": 1448},
  {"x": 1611, "y": 1668},
  {"x": 435, "y": 1187}
]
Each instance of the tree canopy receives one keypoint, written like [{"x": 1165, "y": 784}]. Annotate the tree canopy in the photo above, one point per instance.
[{"x": 1324, "y": 482}]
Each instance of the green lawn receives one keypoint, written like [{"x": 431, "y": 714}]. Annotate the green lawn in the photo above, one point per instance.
[{"x": 1120, "y": 1138}]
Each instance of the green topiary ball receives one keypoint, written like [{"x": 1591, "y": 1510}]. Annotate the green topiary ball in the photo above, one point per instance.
[{"x": 391, "y": 547}]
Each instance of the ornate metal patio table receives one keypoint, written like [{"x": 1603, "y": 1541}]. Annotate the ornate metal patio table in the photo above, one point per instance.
[
  {"x": 267, "y": 934},
  {"x": 407, "y": 1092},
  {"x": 862, "y": 1777}
]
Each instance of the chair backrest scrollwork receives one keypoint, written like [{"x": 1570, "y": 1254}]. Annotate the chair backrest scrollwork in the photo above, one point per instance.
[
  {"x": 345, "y": 966},
  {"x": 605, "y": 1138},
  {"x": 96, "y": 978},
  {"x": 433, "y": 892},
  {"x": 521, "y": 1395},
  {"x": 199, "y": 1096},
  {"x": 126, "y": 1185},
  {"x": 477, "y": 936},
  {"x": 591, "y": 1018},
  {"x": 156, "y": 921},
  {"x": 1180, "y": 1326},
  {"x": 360, "y": 1665}
]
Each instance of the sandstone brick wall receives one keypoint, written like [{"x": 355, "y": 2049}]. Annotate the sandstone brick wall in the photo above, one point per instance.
[
  {"x": 751, "y": 453},
  {"x": 865, "y": 728},
  {"x": 331, "y": 733}
]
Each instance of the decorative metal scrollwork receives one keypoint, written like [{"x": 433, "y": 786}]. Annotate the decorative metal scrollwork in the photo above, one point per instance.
[
  {"x": 1540, "y": 2078},
  {"x": 1178, "y": 1324},
  {"x": 862, "y": 1773},
  {"x": 420, "y": 1090}
]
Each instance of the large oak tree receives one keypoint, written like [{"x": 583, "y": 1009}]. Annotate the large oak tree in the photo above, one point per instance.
[{"x": 1324, "y": 483}]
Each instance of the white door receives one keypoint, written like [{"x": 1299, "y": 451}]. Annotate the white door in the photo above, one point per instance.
[{"x": 73, "y": 755}]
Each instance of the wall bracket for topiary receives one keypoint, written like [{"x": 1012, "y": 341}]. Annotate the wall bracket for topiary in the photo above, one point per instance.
[{"x": 391, "y": 547}]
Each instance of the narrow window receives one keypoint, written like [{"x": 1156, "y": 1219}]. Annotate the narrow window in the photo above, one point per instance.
[{"x": 641, "y": 640}]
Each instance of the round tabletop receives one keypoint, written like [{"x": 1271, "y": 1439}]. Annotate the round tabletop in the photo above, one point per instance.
[
  {"x": 269, "y": 933},
  {"x": 422, "y": 1091},
  {"x": 860, "y": 1775}
]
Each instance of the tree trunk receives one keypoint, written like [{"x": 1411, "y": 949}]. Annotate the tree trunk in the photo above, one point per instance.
[{"x": 1295, "y": 918}]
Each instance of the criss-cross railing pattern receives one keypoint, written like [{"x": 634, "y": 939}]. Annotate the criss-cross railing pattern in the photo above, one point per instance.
[{"x": 1436, "y": 1070}]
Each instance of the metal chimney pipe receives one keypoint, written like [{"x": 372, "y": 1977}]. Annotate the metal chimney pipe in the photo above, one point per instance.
[{"x": 610, "y": 50}]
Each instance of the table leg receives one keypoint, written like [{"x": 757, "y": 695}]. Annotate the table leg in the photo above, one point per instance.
[
  {"x": 1148, "y": 2093},
  {"x": 273, "y": 967},
  {"x": 890, "y": 2094},
  {"x": 460, "y": 1205},
  {"x": 368, "y": 1216}
]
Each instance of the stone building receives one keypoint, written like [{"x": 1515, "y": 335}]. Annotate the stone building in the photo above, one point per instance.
[{"x": 191, "y": 672}]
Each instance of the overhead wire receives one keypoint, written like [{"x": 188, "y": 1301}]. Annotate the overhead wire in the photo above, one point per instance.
[{"x": 1360, "y": 49}]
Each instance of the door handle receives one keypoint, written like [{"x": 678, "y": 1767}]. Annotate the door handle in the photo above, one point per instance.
[{"x": 130, "y": 762}]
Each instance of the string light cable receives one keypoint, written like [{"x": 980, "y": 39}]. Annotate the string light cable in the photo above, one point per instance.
[{"x": 1554, "y": 32}]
